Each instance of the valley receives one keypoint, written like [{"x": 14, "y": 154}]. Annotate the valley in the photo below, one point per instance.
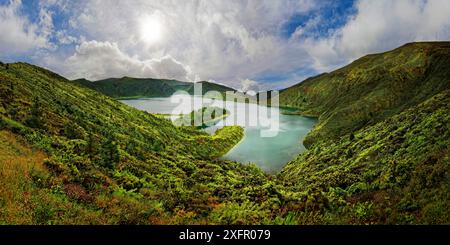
[
  {"x": 269, "y": 153},
  {"x": 377, "y": 154}
]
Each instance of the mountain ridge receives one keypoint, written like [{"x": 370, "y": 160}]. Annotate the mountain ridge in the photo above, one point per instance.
[
  {"x": 129, "y": 87},
  {"x": 371, "y": 88}
]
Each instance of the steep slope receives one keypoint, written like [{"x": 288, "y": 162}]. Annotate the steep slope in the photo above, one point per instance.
[
  {"x": 128, "y": 87},
  {"x": 122, "y": 164},
  {"x": 396, "y": 172},
  {"x": 371, "y": 88}
]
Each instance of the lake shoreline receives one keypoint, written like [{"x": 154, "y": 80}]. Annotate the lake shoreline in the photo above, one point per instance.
[{"x": 271, "y": 154}]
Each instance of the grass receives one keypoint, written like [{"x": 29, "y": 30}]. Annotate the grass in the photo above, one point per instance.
[
  {"x": 18, "y": 165},
  {"x": 28, "y": 192}
]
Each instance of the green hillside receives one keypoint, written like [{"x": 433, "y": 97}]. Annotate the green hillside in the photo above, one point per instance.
[
  {"x": 371, "y": 89},
  {"x": 128, "y": 87},
  {"x": 393, "y": 172},
  {"x": 112, "y": 163}
]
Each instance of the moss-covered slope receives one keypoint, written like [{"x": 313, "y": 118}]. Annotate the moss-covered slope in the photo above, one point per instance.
[
  {"x": 371, "y": 89},
  {"x": 396, "y": 171}
]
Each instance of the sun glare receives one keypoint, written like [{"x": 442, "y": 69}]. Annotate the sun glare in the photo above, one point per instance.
[{"x": 151, "y": 29}]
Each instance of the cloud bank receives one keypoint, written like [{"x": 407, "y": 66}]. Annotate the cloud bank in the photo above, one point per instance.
[
  {"x": 253, "y": 44},
  {"x": 94, "y": 59},
  {"x": 380, "y": 26}
]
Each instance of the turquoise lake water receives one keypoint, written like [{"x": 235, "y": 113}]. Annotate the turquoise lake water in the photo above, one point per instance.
[{"x": 271, "y": 138}]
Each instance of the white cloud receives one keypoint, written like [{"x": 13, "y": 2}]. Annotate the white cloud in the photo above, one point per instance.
[
  {"x": 233, "y": 42},
  {"x": 221, "y": 40},
  {"x": 45, "y": 22},
  {"x": 379, "y": 26},
  {"x": 98, "y": 60},
  {"x": 18, "y": 34},
  {"x": 249, "y": 85},
  {"x": 64, "y": 38}
]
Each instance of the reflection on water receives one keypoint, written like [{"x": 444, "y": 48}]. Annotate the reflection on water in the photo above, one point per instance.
[{"x": 270, "y": 153}]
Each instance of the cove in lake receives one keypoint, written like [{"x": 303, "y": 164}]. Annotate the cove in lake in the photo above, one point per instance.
[{"x": 269, "y": 153}]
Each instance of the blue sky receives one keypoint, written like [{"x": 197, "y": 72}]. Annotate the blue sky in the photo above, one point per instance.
[
  {"x": 333, "y": 13},
  {"x": 254, "y": 44}
]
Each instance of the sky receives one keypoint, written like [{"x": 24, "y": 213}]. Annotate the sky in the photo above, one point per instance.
[{"x": 248, "y": 45}]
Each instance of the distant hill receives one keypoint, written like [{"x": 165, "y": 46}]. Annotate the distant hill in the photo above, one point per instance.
[
  {"x": 371, "y": 88},
  {"x": 128, "y": 87}
]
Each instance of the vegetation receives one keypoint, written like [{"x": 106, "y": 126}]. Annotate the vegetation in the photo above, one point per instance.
[
  {"x": 371, "y": 89},
  {"x": 203, "y": 118},
  {"x": 379, "y": 154},
  {"x": 394, "y": 172},
  {"x": 119, "y": 163}
]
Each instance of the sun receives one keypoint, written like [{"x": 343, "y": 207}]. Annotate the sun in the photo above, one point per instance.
[{"x": 151, "y": 29}]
